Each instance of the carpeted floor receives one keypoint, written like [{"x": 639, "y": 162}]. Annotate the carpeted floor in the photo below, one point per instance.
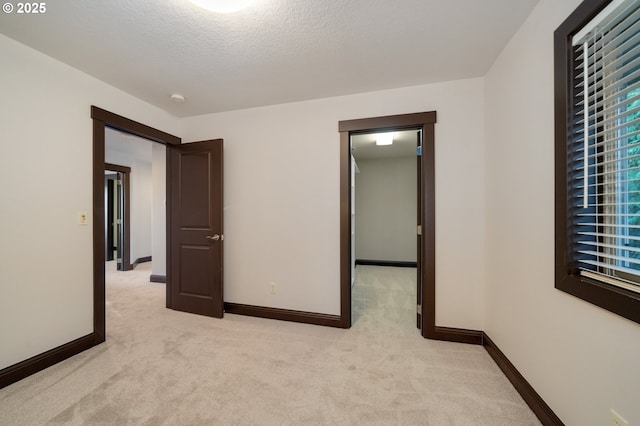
[{"x": 161, "y": 367}]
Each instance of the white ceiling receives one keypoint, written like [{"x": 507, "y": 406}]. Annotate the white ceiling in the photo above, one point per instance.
[
  {"x": 124, "y": 145},
  {"x": 275, "y": 51}
]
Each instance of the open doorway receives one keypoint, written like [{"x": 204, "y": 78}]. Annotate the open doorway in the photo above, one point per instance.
[
  {"x": 384, "y": 202},
  {"x": 426, "y": 307},
  {"x": 425, "y": 123},
  {"x": 103, "y": 122},
  {"x": 135, "y": 193},
  {"x": 194, "y": 210}
]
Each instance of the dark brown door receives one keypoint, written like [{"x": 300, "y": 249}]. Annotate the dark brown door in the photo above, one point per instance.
[
  {"x": 195, "y": 224},
  {"x": 419, "y": 237}
]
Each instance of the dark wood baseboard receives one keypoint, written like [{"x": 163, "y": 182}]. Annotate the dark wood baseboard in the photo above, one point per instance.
[
  {"x": 540, "y": 408},
  {"x": 527, "y": 392},
  {"x": 140, "y": 260},
  {"x": 458, "y": 335},
  {"x": 283, "y": 314},
  {"x": 396, "y": 263},
  {"x": 158, "y": 278},
  {"x": 46, "y": 359}
]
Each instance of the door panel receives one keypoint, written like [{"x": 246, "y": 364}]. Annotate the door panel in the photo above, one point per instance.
[
  {"x": 195, "y": 190},
  {"x": 419, "y": 237},
  {"x": 193, "y": 280},
  {"x": 196, "y": 234}
]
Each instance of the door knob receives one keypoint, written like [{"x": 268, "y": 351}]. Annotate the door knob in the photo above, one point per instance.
[{"x": 214, "y": 237}]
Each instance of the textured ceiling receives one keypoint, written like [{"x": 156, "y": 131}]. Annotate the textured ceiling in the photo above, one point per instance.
[
  {"x": 129, "y": 146},
  {"x": 275, "y": 51}
]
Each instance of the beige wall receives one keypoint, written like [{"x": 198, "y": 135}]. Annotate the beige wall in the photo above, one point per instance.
[
  {"x": 46, "y": 257},
  {"x": 386, "y": 204},
  {"x": 147, "y": 160},
  {"x": 581, "y": 359},
  {"x": 159, "y": 219},
  {"x": 136, "y": 153},
  {"x": 141, "y": 209}
]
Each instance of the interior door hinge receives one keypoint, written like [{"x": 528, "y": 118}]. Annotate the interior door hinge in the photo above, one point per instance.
[
  {"x": 419, "y": 229},
  {"x": 419, "y": 309}
]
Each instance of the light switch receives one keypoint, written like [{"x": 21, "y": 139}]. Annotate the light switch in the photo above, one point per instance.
[{"x": 83, "y": 218}]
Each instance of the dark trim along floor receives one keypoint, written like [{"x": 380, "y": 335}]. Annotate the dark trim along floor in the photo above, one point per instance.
[
  {"x": 396, "y": 263},
  {"x": 140, "y": 260},
  {"x": 458, "y": 335},
  {"x": 46, "y": 359},
  {"x": 283, "y": 314},
  {"x": 540, "y": 408}
]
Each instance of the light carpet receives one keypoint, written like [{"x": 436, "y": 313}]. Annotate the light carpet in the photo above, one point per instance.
[{"x": 162, "y": 367}]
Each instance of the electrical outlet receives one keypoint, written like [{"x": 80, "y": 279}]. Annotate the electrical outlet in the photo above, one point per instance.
[
  {"x": 617, "y": 420},
  {"x": 273, "y": 288},
  {"x": 83, "y": 218}
]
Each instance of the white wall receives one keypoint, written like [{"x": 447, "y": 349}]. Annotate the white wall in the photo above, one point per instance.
[
  {"x": 45, "y": 256},
  {"x": 581, "y": 359},
  {"x": 147, "y": 160},
  {"x": 159, "y": 218},
  {"x": 386, "y": 204},
  {"x": 141, "y": 208},
  {"x": 282, "y": 196},
  {"x": 136, "y": 153}
]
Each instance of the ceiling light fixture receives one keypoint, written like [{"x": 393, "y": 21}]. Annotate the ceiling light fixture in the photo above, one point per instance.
[
  {"x": 222, "y": 6},
  {"x": 384, "y": 138},
  {"x": 177, "y": 97}
]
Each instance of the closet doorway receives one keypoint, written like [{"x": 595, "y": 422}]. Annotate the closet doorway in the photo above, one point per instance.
[
  {"x": 425, "y": 229},
  {"x": 385, "y": 180}
]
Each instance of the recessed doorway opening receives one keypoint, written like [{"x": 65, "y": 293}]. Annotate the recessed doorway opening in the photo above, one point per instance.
[
  {"x": 189, "y": 168},
  {"x": 135, "y": 195},
  {"x": 384, "y": 209},
  {"x": 421, "y": 124}
]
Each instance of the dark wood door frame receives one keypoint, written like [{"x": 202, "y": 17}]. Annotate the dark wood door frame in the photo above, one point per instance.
[
  {"x": 419, "y": 220},
  {"x": 101, "y": 120},
  {"x": 424, "y": 121},
  {"x": 126, "y": 213}
]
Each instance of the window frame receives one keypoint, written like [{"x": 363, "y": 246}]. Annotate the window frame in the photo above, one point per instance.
[{"x": 617, "y": 300}]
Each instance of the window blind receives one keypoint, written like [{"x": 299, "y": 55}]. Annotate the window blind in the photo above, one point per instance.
[{"x": 603, "y": 147}]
